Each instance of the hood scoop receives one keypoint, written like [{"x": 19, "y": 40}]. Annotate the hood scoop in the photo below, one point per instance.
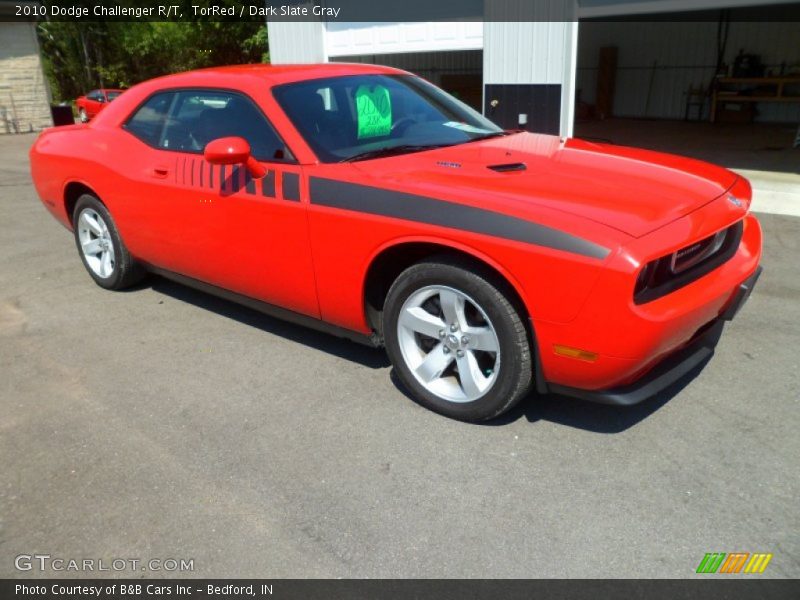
[{"x": 506, "y": 167}]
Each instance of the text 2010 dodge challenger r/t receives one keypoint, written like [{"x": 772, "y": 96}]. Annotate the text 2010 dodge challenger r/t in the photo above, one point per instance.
[{"x": 366, "y": 201}]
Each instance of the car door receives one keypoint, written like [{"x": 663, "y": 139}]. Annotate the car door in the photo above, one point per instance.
[
  {"x": 216, "y": 223},
  {"x": 163, "y": 218},
  {"x": 103, "y": 100},
  {"x": 86, "y": 103},
  {"x": 94, "y": 102}
]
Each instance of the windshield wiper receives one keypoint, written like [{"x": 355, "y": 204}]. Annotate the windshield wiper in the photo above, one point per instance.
[{"x": 392, "y": 151}]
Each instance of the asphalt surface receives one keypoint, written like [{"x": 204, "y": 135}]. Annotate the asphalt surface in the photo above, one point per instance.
[{"x": 163, "y": 423}]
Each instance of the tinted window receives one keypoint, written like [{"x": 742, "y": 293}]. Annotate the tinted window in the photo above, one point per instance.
[
  {"x": 94, "y": 95},
  {"x": 112, "y": 95},
  {"x": 200, "y": 116},
  {"x": 342, "y": 118},
  {"x": 147, "y": 123}
]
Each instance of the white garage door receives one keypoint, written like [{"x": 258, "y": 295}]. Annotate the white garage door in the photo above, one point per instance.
[{"x": 348, "y": 39}]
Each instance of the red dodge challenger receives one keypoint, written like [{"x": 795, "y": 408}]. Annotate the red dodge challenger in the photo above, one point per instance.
[
  {"x": 93, "y": 102},
  {"x": 367, "y": 202}
]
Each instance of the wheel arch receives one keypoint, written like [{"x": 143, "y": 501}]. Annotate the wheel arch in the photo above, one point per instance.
[
  {"x": 72, "y": 191},
  {"x": 394, "y": 257}
]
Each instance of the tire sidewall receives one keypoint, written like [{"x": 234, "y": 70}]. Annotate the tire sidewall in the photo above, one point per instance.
[
  {"x": 88, "y": 201},
  {"x": 496, "y": 400}
]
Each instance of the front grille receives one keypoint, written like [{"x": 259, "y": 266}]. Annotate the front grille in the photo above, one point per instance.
[
  {"x": 686, "y": 258},
  {"x": 669, "y": 273}
]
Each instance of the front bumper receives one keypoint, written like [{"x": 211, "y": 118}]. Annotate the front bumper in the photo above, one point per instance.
[{"x": 674, "y": 367}]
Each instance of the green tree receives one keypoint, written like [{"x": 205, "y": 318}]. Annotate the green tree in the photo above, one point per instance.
[{"x": 79, "y": 56}]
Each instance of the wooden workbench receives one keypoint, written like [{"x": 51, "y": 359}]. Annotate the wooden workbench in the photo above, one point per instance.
[{"x": 754, "y": 89}]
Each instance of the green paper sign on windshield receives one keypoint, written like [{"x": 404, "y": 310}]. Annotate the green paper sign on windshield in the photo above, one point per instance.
[{"x": 374, "y": 111}]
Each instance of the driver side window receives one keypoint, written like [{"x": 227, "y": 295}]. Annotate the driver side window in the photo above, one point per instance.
[{"x": 199, "y": 116}]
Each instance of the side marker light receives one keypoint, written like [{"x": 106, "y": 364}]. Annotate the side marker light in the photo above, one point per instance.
[{"x": 575, "y": 353}]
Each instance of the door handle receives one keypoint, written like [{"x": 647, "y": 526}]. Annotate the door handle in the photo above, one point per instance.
[{"x": 160, "y": 172}]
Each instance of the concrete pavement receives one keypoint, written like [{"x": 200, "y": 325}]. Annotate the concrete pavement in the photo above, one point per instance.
[
  {"x": 774, "y": 192},
  {"x": 163, "y": 423}
]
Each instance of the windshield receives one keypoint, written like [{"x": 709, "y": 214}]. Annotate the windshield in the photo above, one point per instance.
[{"x": 365, "y": 116}]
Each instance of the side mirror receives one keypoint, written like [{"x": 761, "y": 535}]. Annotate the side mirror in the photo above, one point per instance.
[{"x": 233, "y": 151}]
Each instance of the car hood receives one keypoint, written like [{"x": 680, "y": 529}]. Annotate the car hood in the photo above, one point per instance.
[{"x": 631, "y": 190}]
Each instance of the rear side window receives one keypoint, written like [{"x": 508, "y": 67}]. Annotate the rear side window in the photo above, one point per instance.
[{"x": 147, "y": 123}]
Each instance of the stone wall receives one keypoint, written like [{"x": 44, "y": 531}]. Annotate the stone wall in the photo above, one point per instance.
[{"x": 24, "y": 96}]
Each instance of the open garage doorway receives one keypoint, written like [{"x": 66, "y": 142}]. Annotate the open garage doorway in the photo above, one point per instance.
[{"x": 722, "y": 85}]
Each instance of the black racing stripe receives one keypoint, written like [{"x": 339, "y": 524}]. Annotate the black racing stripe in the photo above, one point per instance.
[
  {"x": 291, "y": 186},
  {"x": 268, "y": 184},
  {"x": 387, "y": 203},
  {"x": 249, "y": 184},
  {"x": 235, "y": 178}
]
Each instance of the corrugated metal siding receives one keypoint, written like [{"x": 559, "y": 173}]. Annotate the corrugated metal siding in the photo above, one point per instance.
[
  {"x": 536, "y": 48},
  {"x": 524, "y": 52},
  {"x": 296, "y": 42},
  {"x": 686, "y": 56},
  {"x": 532, "y": 45}
]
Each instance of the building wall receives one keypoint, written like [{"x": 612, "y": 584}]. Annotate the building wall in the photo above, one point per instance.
[
  {"x": 528, "y": 64},
  {"x": 24, "y": 96},
  {"x": 296, "y": 42},
  {"x": 684, "y": 55},
  {"x": 525, "y": 52},
  {"x": 528, "y": 54}
]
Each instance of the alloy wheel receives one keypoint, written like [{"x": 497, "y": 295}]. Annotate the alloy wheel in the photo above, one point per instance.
[
  {"x": 449, "y": 343},
  {"x": 96, "y": 243}
]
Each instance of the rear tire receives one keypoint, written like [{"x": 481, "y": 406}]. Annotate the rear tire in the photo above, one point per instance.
[
  {"x": 100, "y": 246},
  {"x": 445, "y": 317}
]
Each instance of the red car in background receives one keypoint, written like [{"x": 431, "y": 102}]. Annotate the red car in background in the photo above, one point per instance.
[
  {"x": 93, "y": 102},
  {"x": 365, "y": 201}
]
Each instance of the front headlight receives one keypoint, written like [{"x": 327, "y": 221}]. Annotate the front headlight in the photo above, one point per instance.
[{"x": 668, "y": 273}]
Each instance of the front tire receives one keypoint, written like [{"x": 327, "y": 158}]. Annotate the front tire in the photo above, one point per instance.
[
  {"x": 456, "y": 340},
  {"x": 100, "y": 246}
]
